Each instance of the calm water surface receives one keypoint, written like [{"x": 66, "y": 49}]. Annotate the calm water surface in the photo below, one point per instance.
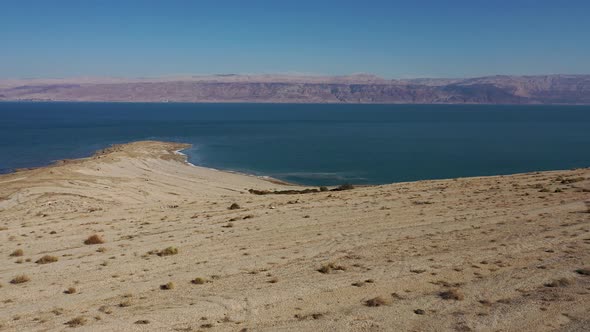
[{"x": 311, "y": 144}]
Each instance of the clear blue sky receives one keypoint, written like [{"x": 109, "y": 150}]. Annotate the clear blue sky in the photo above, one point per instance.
[{"x": 391, "y": 38}]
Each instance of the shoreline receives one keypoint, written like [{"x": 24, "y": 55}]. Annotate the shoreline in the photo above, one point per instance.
[
  {"x": 261, "y": 177},
  {"x": 270, "y": 179}
]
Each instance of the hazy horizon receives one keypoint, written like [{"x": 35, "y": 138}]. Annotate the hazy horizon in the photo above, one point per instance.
[{"x": 292, "y": 74}]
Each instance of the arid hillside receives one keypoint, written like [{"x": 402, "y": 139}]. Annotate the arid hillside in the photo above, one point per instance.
[{"x": 134, "y": 239}]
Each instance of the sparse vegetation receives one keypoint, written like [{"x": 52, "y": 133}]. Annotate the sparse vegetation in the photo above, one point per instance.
[
  {"x": 451, "y": 294},
  {"x": 377, "y": 302},
  {"x": 316, "y": 315},
  {"x": 70, "y": 290},
  {"x": 47, "y": 259},
  {"x": 125, "y": 303},
  {"x": 94, "y": 239},
  {"x": 167, "y": 251},
  {"x": 329, "y": 267},
  {"x": 20, "y": 279},
  {"x": 78, "y": 321},
  {"x": 561, "y": 282},
  {"x": 105, "y": 309},
  {"x": 346, "y": 186},
  {"x": 234, "y": 206},
  {"x": 199, "y": 281},
  {"x": 572, "y": 180},
  {"x": 17, "y": 253},
  {"x": 167, "y": 286},
  {"x": 299, "y": 192}
]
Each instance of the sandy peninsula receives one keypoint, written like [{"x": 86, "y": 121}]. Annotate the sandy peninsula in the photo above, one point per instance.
[{"x": 135, "y": 239}]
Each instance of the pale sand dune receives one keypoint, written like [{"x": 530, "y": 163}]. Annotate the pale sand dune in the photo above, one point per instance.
[{"x": 497, "y": 240}]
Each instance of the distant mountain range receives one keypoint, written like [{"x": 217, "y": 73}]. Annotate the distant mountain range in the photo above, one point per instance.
[{"x": 548, "y": 89}]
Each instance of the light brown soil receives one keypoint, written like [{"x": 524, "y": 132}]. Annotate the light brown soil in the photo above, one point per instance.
[{"x": 500, "y": 242}]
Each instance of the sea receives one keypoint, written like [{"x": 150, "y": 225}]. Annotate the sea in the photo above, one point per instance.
[{"x": 310, "y": 144}]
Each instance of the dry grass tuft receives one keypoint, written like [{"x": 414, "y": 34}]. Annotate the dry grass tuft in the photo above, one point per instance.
[
  {"x": 377, "y": 302},
  {"x": 105, "y": 309},
  {"x": 451, "y": 294},
  {"x": 346, "y": 186},
  {"x": 168, "y": 251},
  {"x": 17, "y": 253},
  {"x": 20, "y": 279},
  {"x": 562, "y": 282},
  {"x": 329, "y": 267},
  {"x": 78, "y": 321},
  {"x": 70, "y": 290},
  {"x": 167, "y": 286},
  {"x": 125, "y": 304},
  {"x": 94, "y": 239},
  {"x": 199, "y": 281},
  {"x": 47, "y": 259}
]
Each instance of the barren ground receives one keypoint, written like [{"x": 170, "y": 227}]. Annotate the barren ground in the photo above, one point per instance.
[{"x": 503, "y": 253}]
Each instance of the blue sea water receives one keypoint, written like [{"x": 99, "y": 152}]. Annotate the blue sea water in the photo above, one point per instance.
[{"x": 311, "y": 144}]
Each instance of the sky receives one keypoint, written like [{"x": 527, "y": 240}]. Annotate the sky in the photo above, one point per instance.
[{"x": 391, "y": 39}]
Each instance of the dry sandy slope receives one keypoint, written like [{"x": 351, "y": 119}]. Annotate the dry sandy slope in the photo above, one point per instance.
[{"x": 497, "y": 240}]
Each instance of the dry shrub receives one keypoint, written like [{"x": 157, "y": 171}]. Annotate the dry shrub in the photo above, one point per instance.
[
  {"x": 20, "y": 279},
  {"x": 94, "y": 239},
  {"x": 573, "y": 180},
  {"x": 329, "y": 267},
  {"x": 346, "y": 186},
  {"x": 168, "y": 251},
  {"x": 562, "y": 282},
  {"x": 451, "y": 294},
  {"x": 17, "y": 253},
  {"x": 105, "y": 309},
  {"x": 70, "y": 290},
  {"x": 167, "y": 286},
  {"x": 78, "y": 321},
  {"x": 126, "y": 303},
  {"x": 377, "y": 302},
  {"x": 199, "y": 281},
  {"x": 47, "y": 259}
]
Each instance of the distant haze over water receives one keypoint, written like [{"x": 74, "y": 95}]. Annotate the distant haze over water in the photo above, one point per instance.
[{"x": 310, "y": 143}]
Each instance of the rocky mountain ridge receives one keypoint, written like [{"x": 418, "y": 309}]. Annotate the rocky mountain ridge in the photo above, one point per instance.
[{"x": 362, "y": 88}]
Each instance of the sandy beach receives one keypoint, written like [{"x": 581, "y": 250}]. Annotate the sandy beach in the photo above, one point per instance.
[{"x": 136, "y": 239}]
